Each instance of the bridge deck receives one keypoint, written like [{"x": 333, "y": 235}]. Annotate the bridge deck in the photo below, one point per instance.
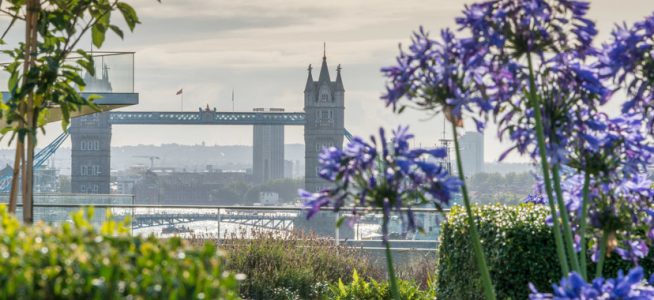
[{"x": 207, "y": 118}]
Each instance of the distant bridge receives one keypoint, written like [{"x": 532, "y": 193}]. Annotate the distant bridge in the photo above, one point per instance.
[
  {"x": 266, "y": 220},
  {"x": 207, "y": 118}
]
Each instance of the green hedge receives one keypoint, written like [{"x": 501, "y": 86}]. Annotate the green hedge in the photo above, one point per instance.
[
  {"x": 75, "y": 261},
  {"x": 519, "y": 249}
]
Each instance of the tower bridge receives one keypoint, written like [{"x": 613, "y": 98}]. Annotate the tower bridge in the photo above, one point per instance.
[
  {"x": 322, "y": 119},
  {"x": 207, "y": 118}
]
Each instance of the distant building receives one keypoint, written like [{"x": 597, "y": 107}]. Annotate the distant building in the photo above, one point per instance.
[
  {"x": 324, "y": 106},
  {"x": 268, "y": 151},
  {"x": 46, "y": 180},
  {"x": 472, "y": 153},
  {"x": 505, "y": 168},
  {"x": 269, "y": 198},
  {"x": 288, "y": 169},
  {"x": 188, "y": 188}
]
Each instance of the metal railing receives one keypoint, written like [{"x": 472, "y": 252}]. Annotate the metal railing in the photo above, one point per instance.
[
  {"x": 114, "y": 67},
  {"x": 225, "y": 222}
]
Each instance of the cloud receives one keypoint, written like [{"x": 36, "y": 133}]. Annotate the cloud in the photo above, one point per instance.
[{"x": 261, "y": 49}]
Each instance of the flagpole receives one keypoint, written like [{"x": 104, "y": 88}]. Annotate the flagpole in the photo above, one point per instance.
[
  {"x": 233, "y": 100},
  {"x": 182, "y": 101}
]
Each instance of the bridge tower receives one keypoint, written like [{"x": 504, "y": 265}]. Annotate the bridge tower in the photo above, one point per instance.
[
  {"x": 324, "y": 106},
  {"x": 91, "y": 144}
]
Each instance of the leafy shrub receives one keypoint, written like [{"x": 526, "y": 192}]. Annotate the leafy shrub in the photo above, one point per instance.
[
  {"x": 76, "y": 261},
  {"x": 370, "y": 289},
  {"x": 294, "y": 266},
  {"x": 518, "y": 246},
  {"x": 519, "y": 249}
]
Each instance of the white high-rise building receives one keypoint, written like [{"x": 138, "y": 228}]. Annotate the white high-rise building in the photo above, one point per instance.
[{"x": 472, "y": 153}]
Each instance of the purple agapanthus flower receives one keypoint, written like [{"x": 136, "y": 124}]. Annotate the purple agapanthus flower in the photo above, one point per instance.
[
  {"x": 573, "y": 287},
  {"x": 436, "y": 75},
  {"x": 569, "y": 91},
  {"x": 383, "y": 174},
  {"x": 633, "y": 251},
  {"x": 512, "y": 28},
  {"x": 628, "y": 60}
]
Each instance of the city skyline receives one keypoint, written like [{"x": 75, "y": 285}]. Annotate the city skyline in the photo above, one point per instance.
[{"x": 260, "y": 49}]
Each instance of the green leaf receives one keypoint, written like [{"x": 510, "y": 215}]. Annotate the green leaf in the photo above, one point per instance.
[
  {"x": 129, "y": 14},
  {"x": 116, "y": 30},
  {"x": 340, "y": 220},
  {"x": 98, "y": 35}
]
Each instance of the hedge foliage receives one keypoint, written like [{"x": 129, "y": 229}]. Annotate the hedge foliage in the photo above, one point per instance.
[
  {"x": 516, "y": 242},
  {"x": 519, "y": 249},
  {"x": 76, "y": 261}
]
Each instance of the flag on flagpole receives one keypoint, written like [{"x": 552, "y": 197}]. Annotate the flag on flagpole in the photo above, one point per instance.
[{"x": 180, "y": 92}]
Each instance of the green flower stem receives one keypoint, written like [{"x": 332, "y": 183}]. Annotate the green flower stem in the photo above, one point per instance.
[
  {"x": 560, "y": 250},
  {"x": 602, "y": 255},
  {"x": 474, "y": 235},
  {"x": 395, "y": 291},
  {"x": 567, "y": 229},
  {"x": 582, "y": 226}
]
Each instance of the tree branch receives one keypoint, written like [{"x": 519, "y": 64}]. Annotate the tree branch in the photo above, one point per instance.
[{"x": 11, "y": 14}]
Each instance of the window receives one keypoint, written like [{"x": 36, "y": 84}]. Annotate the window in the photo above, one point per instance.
[
  {"x": 325, "y": 117},
  {"x": 323, "y": 145},
  {"x": 324, "y": 97},
  {"x": 90, "y": 145},
  {"x": 90, "y": 170},
  {"x": 89, "y": 188},
  {"x": 92, "y": 120}
]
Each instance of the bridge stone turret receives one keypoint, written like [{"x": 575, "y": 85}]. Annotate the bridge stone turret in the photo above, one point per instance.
[
  {"x": 90, "y": 154},
  {"x": 324, "y": 106},
  {"x": 91, "y": 144}
]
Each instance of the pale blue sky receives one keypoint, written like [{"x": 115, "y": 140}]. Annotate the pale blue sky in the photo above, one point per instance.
[{"x": 261, "y": 48}]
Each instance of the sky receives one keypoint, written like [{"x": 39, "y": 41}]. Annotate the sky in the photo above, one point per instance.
[{"x": 261, "y": 50}]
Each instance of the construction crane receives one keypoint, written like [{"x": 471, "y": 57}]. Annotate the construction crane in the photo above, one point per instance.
[
  {"x": 150, "y": 157},
  {"x": 39, "y": 159}
]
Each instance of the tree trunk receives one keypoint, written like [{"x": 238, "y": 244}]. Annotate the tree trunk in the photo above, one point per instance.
[
  {"x": 18, "y": 160},
  {"x": 32, "y": 17}
]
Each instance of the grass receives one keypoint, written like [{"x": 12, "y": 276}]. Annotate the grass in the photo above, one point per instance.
[{"x": 300, "y": 265}]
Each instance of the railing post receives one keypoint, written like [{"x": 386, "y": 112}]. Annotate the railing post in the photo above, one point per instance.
[
  {"x": 131, "y": 221},
  {"x": 337, "y": 233},
  {"x": 218, "y": 220}
]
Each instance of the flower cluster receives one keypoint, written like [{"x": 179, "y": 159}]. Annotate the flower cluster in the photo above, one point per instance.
[
  {"x": 482, "y": 72},
  {"x": 570, "y": 91},
  {"x": 573, "y": 287},
  {"x": 612, "y": 148},
  {"x": 622, "y": 205},
  {"x": 516, "y": 27},
  {"x": 628, "y": 60},
  {"x": 385, "y": 174},
  {"x": 436, "y": 75}
]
